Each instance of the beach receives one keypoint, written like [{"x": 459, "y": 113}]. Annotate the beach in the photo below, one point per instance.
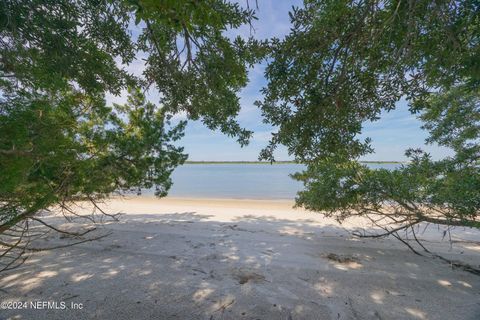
[{"x": 180, "y": 258}]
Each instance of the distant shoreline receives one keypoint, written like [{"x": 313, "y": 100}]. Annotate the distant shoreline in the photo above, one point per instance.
[{"x": 281, "y": 162}]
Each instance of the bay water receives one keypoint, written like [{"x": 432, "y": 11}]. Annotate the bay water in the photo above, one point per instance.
[{"x": 240, "y": 181}]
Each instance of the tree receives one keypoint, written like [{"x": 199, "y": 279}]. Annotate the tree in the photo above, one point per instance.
[
  {"x": 346, "y": 61},
  {"x": 60, "y": 142}
]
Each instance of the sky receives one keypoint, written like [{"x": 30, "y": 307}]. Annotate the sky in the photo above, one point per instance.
[{"x": 395, "y": 132}]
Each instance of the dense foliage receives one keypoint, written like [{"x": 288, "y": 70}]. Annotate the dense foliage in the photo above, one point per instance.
[
  {"x": 343, "y": 63},
  {"x": 60, "y": 142}
]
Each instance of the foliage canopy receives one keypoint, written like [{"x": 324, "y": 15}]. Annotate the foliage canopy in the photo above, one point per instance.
[
  {"x": 60, "y": 142},
  {"x": 343, "y": 63}
]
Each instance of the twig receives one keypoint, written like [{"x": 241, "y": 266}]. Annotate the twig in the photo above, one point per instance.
[
  {"x": 407, "y": 244},
  {"x": 74, "y": 234}
]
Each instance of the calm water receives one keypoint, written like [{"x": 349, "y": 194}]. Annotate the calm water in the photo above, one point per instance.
[{"x": 239, "y": 181}]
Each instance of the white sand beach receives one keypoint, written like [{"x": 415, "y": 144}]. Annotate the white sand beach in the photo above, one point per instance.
[{"x": 242, "y": 259}]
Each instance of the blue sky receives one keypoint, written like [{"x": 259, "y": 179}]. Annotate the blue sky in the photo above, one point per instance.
[{"x": 395, "y": 132}]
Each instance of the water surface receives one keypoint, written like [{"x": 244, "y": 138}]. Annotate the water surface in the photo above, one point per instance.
[{"x": 239, "y": 181}]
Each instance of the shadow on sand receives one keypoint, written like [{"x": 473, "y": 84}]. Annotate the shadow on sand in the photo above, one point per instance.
[{"x": 188, "y": 266}]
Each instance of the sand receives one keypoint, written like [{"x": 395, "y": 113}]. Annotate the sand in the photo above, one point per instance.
[{"x": 242, "y": 259}]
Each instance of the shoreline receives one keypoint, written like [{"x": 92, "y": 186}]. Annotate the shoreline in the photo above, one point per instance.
[{"x": 204, "y": 199}]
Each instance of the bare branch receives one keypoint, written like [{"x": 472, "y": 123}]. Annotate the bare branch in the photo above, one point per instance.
[{"x": 74, "y": 234}]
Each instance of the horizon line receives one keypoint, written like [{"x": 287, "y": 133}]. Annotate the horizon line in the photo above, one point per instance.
[{"x": 280, "y": 161}]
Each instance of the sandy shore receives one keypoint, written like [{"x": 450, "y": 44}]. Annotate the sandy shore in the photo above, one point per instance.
[{"x": 242, "y": 259}]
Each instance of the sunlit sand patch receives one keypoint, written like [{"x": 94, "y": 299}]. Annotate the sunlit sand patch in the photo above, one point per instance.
[
  {"x": 325, "y": 289},
  {"x": 348, "y": 266},
  {"x": 80, "y": 277},
  {"x": 201, "y": 294},
  {"x": 47, "y": 274},
  {"x": 465, "y": 284},
  {"x": 293, "y": 231},
  {"x": 36, "y": 281},
  {"x": 232, "y": 256},
  {"x": 416, "y": 313},
  {"x": 445, "y": 283},
  {"x": 109, "y": 274},
  {"x": 472, "y": 247},
  {"x": 11, "y": 277},
  {"x": 145, "y": 272},
  {"x": 250, "y": 259},
  {"x": 377, "y": 297}
]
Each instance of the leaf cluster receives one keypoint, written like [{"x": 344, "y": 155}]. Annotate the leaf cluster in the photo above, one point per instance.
[
  {"x": 343, "y": 63},
  {"x": 59, "y": 140}
]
